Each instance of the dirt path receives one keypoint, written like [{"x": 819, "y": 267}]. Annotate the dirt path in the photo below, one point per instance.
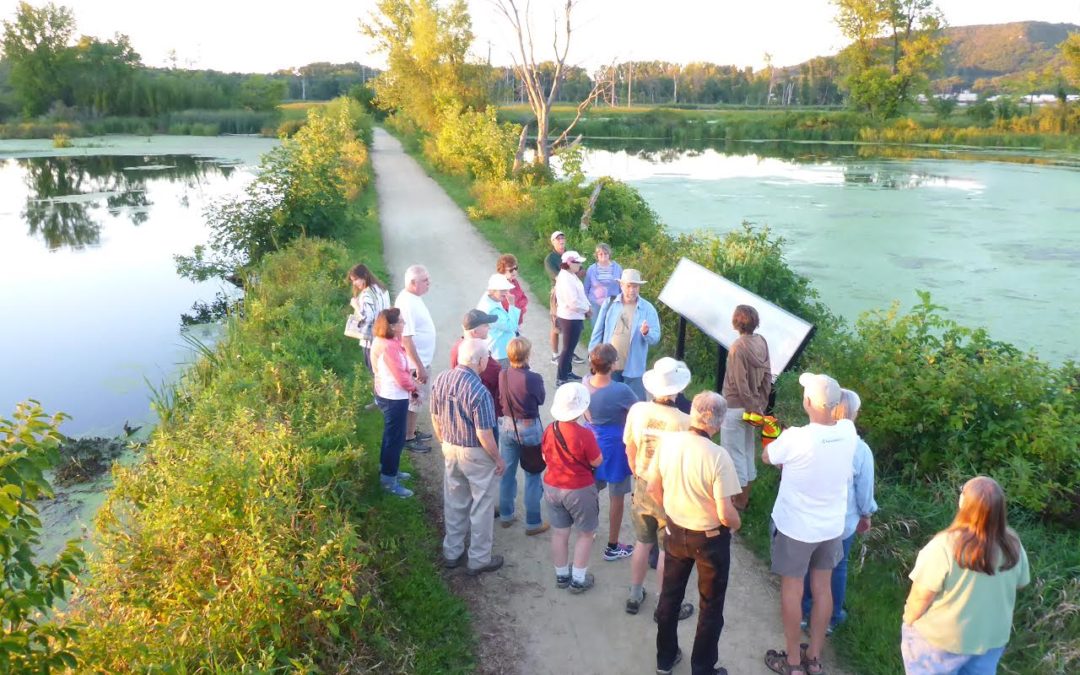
[{"x": 525, "y": 624}]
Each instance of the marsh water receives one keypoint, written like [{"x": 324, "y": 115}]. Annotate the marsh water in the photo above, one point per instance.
[{"x": 993, "y": 235}]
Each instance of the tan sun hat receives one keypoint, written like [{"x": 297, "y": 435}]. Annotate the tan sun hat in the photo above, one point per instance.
[{"x": 631, "y": 276}]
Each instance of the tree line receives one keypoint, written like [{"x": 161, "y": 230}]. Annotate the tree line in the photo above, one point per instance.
[{"x": 46, "y": 69}]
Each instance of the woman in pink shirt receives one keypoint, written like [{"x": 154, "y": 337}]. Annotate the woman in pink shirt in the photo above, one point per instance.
[{"x": 394, "y": 387}]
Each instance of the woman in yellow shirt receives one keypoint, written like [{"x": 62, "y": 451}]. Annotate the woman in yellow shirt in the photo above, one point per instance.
[{"x": 958, "y": 614}]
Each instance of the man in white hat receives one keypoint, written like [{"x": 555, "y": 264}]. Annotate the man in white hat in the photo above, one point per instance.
[
  {"x": 629, "y": 323},
  {"x": 646, "y": 424},
  {"x": 505, "y": 327},
  {"x": 553, "y": 265},
  {"x": 809, "y": 515}
]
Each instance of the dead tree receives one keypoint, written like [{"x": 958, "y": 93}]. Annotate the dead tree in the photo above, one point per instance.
[{"x": 527, "y": 67}]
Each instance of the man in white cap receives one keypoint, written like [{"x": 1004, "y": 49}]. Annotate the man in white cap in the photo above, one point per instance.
[
  {"x": 553, "y": 265},
  {"x": 808, "y": 516},
  {"x": 505, "y": 326},
  {"x": 463, "y": 416},
  {"x": 629, "y": 323},
  {"x": 646, "y": 424},
  {"x": 418, "y": 339}
]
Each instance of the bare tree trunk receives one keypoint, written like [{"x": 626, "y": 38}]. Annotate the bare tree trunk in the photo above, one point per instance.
[
  {"x": 519, "y": 156},
  {"x": 586, "y": 217}
]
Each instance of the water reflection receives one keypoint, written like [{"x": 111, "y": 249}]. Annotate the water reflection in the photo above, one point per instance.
[{"x": 64, "y": 192}]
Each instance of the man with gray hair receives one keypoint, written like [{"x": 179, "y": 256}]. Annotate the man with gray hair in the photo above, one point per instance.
[
  {"x": 463, "y": 417},
  {"x": 808, "y": 517},
  {"x": 694, "y": 479},
  {"x": 418, "y": 339}
]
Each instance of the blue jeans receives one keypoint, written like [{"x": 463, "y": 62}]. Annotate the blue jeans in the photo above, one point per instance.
[
  {"x": 839, "y": 585},
  {"x": 923, "y": 658},
  {"x": 510, "y": 449},
  {"x": 634, "y": 383},
  {"x": 393, "y": 437}
]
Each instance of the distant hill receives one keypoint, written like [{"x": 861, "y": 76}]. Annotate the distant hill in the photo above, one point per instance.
[{"x": 993, "y": 57}]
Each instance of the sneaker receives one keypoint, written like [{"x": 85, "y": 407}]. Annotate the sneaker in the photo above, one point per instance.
[
  {"x": 398, "y": 490},
  {"x": 554, "y": 358},
  {"x": 620, "y": 551},
  {"x": 633, "y": 606},
  {"x": 422, "y": 436},
  {"x": 457, "y": 562},
  {"x": 404, "y": 475},
  {"x": 686, "y": 610},
  {"x": 495, "y": 563},
  {"x": 561, "y": 581},
  {"x": 571, "y": 377},
  {"x": 667, "y": 671},
  {"x": 539, "y": 529},
  {"x": 371, "y": 406},
  {"x": 507, "y": 524},
  {"x": 417, "y": 446},
  {"x": 579, "y": 587},
  {"x": 577, "y": 360}
]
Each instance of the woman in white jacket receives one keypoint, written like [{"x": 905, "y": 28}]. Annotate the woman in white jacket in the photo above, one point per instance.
[{"x": 573, "y": 308}]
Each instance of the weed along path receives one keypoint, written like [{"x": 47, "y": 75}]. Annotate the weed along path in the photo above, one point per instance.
[{"x": 523, "y": 622}]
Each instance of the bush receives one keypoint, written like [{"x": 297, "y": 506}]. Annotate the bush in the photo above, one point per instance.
[
  {"x": 61, "y": 141},
  {"x": 474, "y": 144},
  {"x": 30, "y": 642},
  {"x": 953, "y": 402}
]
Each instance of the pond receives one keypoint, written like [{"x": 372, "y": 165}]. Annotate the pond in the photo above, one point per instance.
[
  {"x": 994, "y": 236},
  {"x": 90, "y": 299}
]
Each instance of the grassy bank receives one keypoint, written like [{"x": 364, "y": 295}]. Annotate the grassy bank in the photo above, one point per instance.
[
  {"x": 254, "y": 535},
  {"x": 679, "y": 126},
  {"x": 942, "y": 403}
]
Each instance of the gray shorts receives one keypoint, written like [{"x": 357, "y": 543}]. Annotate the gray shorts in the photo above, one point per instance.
[
  {"x": 792, "y": 558},
  {"x": 579, "y": 508},
  {"x": 620, "y": 489}
]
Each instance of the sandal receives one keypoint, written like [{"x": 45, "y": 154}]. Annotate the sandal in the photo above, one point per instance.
[
  {"x": 811, "y": 666},
  {"x": 777, "y": 662}
]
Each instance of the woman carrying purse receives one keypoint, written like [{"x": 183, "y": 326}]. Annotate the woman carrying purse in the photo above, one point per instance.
[{"x": 521, "y": 392}]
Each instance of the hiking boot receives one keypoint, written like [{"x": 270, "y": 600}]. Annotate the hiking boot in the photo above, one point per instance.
[
  {"x": 495, "y": 563},
  {"x": 686, "y": 610},
  {"x": 667, "y": 671},
  {"x": 579, "y": 587},
  {"x": 539, "y": 529},
  {"x": 457, "y": 562},
  {"x": 417, "y": 446},
  {"x": 422, "y": 436},
  {"x": 633, "y": 606},
  {"x": 619, "y": 552}
]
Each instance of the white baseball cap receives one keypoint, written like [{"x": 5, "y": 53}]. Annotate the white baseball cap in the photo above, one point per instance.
[
  {"x": 498, "y": 282},
  {"x": 556, "y": 234},
  {"x": 822, "y": 390},
  {"x": 573, "y": 256},
  {"x": 570, "y": 402}
]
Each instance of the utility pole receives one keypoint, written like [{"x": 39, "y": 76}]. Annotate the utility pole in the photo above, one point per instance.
[{"x": 630, "y": 87}]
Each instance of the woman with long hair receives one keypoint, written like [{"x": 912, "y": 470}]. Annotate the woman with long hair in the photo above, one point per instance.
[
  {"x": 369, "y": 297},
  {"x": 959, "y": 612},
  {"x": 394, "y": 388}
]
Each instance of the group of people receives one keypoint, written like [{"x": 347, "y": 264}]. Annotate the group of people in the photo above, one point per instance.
[{"x": 629, "y": 429}]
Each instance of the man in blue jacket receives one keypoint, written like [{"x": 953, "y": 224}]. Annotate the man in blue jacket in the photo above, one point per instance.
[{"x": 629, "y": 323}]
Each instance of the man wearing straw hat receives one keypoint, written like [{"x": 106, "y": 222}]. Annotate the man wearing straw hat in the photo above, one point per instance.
[
  {"x": 629, "y": 323},
  {"x": 646, "y": 424}
]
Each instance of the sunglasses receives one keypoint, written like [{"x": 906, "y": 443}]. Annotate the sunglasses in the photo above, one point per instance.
[{"x": 512, "y": 269}]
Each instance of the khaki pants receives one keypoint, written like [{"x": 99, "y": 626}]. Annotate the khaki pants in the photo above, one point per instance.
[{"x": 469, "y": 489}]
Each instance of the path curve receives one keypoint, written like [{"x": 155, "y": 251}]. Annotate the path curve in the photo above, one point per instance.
[{"x": 518, "y": 611}]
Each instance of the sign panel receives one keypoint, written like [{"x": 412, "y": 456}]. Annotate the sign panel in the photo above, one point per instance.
[{"x": 708, "y": 300}]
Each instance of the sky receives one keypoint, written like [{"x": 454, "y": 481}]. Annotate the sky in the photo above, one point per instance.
[{"x": 249, "y": 36}]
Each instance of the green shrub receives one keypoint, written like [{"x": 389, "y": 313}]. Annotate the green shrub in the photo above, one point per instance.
[
  {"x": 474, "y": 143},
  {"x": 61, "y": 141},
  {"x": 30, "y": 641}
]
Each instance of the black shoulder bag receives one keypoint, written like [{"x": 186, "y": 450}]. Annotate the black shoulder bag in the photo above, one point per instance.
[{"x": 531, "y": 457}]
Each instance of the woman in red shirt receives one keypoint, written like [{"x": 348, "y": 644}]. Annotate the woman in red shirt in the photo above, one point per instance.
[{"x": 572, "y": 454}]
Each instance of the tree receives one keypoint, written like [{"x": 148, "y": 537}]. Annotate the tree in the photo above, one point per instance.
[
  {"x": 542, "y": 95},
  {"x": 427, "y": 73},
  {"x": 101, "y": 72},
  {"x": 895, "y": 46},
  {"x": 36, "y": 44},
  {"x": 1071, "y": 50},
  {"x": 260, "y": 92}
]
